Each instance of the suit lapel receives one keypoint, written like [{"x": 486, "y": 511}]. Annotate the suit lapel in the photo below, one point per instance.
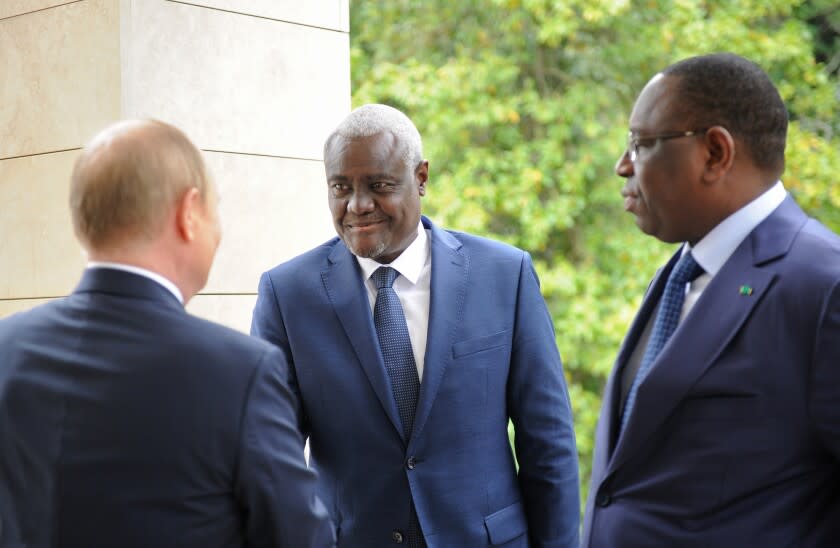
[
  {"x": 613, "y": 389},
  {"x": 346, "y": 291},
  {"x": 448, "y": 289},
  {"x": 714, "y": 320}
]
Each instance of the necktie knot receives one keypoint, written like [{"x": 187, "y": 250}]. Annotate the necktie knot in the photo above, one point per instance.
[
  {"x": 384, "y": 276},
  {"x": 686, "y": 270}
]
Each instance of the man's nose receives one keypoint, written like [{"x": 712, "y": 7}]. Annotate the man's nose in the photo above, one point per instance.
[
  {"x": 624, "y": 167},
  {"x": 360, "y": 202}
]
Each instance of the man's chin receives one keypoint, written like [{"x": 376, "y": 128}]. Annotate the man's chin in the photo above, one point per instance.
[
  {"x": 643, "y": 225},
  {"x": 660, "y": 234},
  {"x": 366, "y": 251}
]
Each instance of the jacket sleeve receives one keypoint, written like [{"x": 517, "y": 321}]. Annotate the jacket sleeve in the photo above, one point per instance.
[
  {"x": 273, "y": 482},
  {"x": 538, "y": 403},
  {"x": 825, "y": 375},
  {"x": 267, "y": 324}
]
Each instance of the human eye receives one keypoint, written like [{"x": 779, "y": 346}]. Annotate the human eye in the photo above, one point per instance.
[
  {"x": 338, "y": 188},
  {"x": 643, "y": 142},
  {"x": 381, "y": 185}
]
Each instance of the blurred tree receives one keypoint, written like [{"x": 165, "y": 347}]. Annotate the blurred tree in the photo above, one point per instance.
[
  {"x": 523, "y": 106},
  {"x": 824, "y": 18}
]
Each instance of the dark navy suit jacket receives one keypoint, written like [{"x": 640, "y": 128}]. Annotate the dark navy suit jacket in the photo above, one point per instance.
[
  {"x": 490, "y": 355},
  {"x": 735, "y": 436},
  {"x": 124, "y": 421}
]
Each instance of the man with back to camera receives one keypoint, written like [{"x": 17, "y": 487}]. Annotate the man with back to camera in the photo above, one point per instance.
[
  {"x": 410, "y": 348},
  {"x": 720, "y": 424},
  {"x": 125, "y": 421}
]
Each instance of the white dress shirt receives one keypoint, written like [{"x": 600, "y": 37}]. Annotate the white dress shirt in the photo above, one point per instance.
[
  {"x": 720, "y": 243},
  {"x": 711, "y": 253},
  {"x": 412, "y": 286},
  {"x": 171, "y": 287}
]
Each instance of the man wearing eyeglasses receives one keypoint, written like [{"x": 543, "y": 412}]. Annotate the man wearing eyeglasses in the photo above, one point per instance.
[{"x": 720, "y": 424}]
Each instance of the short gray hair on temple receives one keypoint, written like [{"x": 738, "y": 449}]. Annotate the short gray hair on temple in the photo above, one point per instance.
[{"x": 373, "y": 119}]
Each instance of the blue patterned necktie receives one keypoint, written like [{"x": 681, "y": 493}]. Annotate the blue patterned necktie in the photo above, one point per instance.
[
  {"x": 392, "y": 331},
  {"x": 670, "y": 306}
]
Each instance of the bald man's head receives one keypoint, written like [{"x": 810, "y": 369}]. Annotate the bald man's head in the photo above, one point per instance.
[{"x": 128, "y": 181}]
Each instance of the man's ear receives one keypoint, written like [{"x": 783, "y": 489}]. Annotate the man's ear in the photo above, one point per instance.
[
  {"x": 720, "y": 146},
  {"x": 186, "y": 214},
  {"x": 422, "y": 175}
]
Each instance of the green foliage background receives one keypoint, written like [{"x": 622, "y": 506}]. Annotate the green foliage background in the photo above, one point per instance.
[{"x": 523, "y": 107}]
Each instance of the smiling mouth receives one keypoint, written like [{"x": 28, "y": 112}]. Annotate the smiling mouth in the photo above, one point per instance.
[{"x": 364, "y": 226}]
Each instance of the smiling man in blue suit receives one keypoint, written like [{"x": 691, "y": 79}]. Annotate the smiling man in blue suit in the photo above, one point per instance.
[
  {"x": 125, "y": 421},
  {"x": 720, "y": 425},
  {"x": 411, "y": 348}
]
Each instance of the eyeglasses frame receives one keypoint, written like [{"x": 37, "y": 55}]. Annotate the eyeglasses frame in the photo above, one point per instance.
[{"x": 633, "y": 141}]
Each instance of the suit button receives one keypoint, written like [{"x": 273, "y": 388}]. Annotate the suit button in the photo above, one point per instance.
[
  {"x": 603, "y": 499},
  {"x": 397, "y": 536},
  {"x": 411, "y": 463}
]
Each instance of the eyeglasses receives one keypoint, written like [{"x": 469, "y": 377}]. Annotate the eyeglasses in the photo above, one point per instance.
[{"x": 635, "y": 141}]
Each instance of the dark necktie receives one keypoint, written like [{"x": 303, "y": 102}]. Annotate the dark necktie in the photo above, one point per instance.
[
  {"x": 392, "y": 331},
  {"x": 670, "y": 306}
]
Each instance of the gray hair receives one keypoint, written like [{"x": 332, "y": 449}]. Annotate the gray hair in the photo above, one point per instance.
[{"x": 373, "y": 119}]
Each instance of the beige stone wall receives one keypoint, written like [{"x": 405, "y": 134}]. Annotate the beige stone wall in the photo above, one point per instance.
[{"x": 257, "y": 84}]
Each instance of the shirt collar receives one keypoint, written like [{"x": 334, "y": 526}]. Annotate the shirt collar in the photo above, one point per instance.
[
  {"x": 409, "y": 263},
  {"x": 721, "y": 242},
  {"x": 141, "y": 272}
]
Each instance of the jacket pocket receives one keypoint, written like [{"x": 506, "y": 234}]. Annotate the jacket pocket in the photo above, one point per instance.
[
  {"x": 479, "y": 344},
  {"x": 506, "y": 524},
  {"x": 721, "y": 408}
]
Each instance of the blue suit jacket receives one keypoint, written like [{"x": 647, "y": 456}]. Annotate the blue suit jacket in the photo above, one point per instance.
[
  {"x": 491, "y": 354},
  {"x": 735, "y": 436},
  {"x": 124, "y": 421}
]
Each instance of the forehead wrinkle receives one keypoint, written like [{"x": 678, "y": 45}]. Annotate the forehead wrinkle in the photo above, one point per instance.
[{"x": 374, "y": 176}]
